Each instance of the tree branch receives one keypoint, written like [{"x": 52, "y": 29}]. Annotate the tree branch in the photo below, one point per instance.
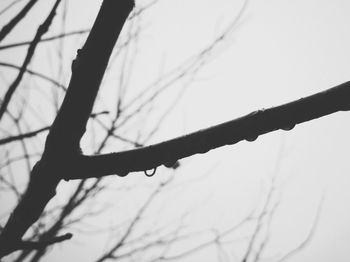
[
  {"x": 32, "y": 245},
  {"x": 248, "y": 128},
  {"x": 10, "y": 25},
  {"x": 87, "y": 72},
  {"x": 37, "y": 74},
  {"x": 23, "y": 136},
  {"x": 69, "y": 125},
  {"x": 38, "y": 131}
]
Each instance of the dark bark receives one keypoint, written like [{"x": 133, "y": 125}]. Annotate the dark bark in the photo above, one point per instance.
[
  {"x": 248, "y": 128},
  {"x": 62, "y": 158},
  {"x": 63, "y": 139}
]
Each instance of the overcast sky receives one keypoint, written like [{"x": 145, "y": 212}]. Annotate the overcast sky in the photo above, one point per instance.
[{"x": 280, "y": 50}]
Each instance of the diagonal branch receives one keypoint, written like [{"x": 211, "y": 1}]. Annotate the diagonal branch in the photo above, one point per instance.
[
  {"x": 9, "y": 6},
  {"x": 11, "y": 24},
  {"x": 308, "y": 238},
  {"x": 69, "y": 125},
  {"x": 30, "y": 245},
  {"x": 248, "y": 128},
  {"x": 87, "y": 72}
]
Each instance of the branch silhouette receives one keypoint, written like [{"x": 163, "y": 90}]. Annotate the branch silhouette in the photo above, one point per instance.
[
  {"x": 14, "y": 21},
  {"x": 47, "y": 39},
  {"x": 36, "y": 74},
  {"x": 248, "y": 128},
  {"x": 69, "y": 125},
  {"x": 62, "y": 157},
  {"x": 25, "y": 245}
]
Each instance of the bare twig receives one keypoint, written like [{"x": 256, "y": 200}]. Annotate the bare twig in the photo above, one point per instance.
[
  {"x": 307, "y": 239},
  {"x": 25, "y": 245},
  {"x": 36, "y": 74},
  {"x": 43, "y": 28},
  {"x": 9, "y": 6},
  {"x": 88, "y": 70},
  {"x": 23, "y": 136},
  {"x": 14, "y": 21},
  {"x": 47, "y": 39},
  {"x": 111, "y": 252}
]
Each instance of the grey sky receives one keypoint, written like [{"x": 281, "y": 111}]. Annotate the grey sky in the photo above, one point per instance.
[{"x": 280, "y": 51}]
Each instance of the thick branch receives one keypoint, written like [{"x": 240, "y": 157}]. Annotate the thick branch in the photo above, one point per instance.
[
  {"x": 248, "y": 127},
  {"x": 30, "y": 134},
  {"x": 87, "y": 72},
  {"x": 69, "y": 125},
  {"x": 41, "y": 188}
]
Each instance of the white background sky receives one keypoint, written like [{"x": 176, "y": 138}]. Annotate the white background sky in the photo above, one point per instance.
[{"x": 280, "y": 51}]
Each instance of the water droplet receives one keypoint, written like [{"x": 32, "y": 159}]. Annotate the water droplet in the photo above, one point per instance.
[
  {"x": 251, "y": 139},
  {"x": 289, "y": 127},
  {"x": 152, "y": 172},
  {"x": 169, "y": 164},
  {"x": 122, "y": 173}
]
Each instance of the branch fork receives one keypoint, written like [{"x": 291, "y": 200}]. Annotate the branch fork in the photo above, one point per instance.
[{"x": 62, "y": 157}]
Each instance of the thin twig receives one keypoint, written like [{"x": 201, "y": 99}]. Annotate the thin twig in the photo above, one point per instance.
[
  {"x": 43, "y": 28},
  {"x": 15, "y": 20}
]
